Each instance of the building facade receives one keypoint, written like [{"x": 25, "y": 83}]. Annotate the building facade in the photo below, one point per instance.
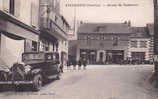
[
  {"x": 31, "y": 26},
  {"x": 18, "y": 29},
  {"x": 54, "y": 29},
  {"x": 140, "y": 44},
  {"x": 104, "y": 43}
]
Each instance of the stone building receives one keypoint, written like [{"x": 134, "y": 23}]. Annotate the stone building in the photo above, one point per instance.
[
  {"x": 112, "y": 42},
  {"x": 101, "y": 42}
]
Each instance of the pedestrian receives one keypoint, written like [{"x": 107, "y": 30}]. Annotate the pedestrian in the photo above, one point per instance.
[
  {"x": 61, "y": 68},
  {"x": 79, "y": 64},
  {"x": 68, "y": 64},
  {"x": 84, "y": 63},
  {"x": 74, "y": 64}
]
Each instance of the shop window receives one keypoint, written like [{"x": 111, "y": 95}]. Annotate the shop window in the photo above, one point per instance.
[
  {"x": 34, "y": 46},
  {"x": 143, "y": 44},
  {"x": 12, "y": 7},
  {"x": 138, "y": 55},
  {"x": 133, "y": 44}
]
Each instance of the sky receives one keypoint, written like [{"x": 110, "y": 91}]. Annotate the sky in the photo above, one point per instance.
[{"x": 139, "y": 12}]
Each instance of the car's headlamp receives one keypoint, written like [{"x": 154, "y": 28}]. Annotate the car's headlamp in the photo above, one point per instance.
[{"x": 27, "y": 68}]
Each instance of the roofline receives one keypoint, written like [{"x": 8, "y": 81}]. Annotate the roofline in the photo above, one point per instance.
[{"x": 14, "y": 20}]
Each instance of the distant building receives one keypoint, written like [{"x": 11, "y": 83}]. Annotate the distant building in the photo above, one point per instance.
[
  {"x": 103, "y": 42},
  {"x": 112, "y": 42},
  {"x": 140, "y": 44}
]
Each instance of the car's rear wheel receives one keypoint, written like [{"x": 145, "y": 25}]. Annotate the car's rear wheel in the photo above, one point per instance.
[{"x": 37, "y": 82}]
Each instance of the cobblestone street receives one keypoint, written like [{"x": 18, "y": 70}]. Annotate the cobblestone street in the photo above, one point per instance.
[{"x": 96, "y": 82}]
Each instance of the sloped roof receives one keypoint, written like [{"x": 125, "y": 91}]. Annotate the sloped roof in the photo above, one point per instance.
[
  {"x": 139, "y": 32},
  {"x": 104, "y": 28}
]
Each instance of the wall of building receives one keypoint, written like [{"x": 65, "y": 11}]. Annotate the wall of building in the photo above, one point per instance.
[
  {"x": 29, "y": 12},
  {"x": 102, "y": 43},
  {"x": 1, "y": 4},
  {"x": 54, "y": 24},
  {"x": 19, "y": 29},
  {"x": 26, "y": 11},
  {"x": 139, "y": 49}
]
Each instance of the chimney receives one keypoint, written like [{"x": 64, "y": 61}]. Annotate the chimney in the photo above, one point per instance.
[
  {"x": 81, "y": 22},
  {"x": 125, "y": 22},
  {"x": 129, "y": 23}
]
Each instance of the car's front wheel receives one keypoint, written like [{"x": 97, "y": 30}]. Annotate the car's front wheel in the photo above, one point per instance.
[{"x": 37, "y": 82}]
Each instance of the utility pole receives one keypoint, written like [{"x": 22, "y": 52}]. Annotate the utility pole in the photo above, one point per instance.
[{"x": 156, "y": 35}]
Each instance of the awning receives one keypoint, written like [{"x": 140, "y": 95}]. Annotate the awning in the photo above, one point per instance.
[{"x": 11, "y": 50}]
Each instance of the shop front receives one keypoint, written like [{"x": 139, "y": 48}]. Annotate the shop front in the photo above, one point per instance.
[
  {"x": 138, "y": 57},
  {"x": 114, "y": 56},
  {"x": 90, "y": 55}
]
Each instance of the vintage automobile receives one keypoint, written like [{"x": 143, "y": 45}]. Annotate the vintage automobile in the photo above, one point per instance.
[{"x": 35, "y": 69}]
